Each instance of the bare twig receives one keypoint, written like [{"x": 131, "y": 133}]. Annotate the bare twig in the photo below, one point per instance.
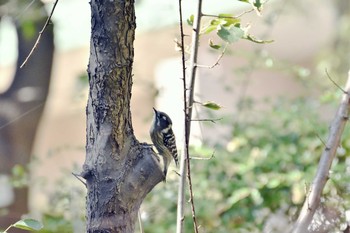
[
  {"x": 230, "y": 17},
  {"x": 178, "y": 174},
  {"x": 24, "y": 10},
  {"x": 202, "y": 158},
  {"x": 336, "y": 84},
  {"x": 210, "y": 120},
  {"x": 323, "y": 142},
  {"x": 39, "y": 36},
  {"x": 78, "y": 177},
  {"x": 217, "y": 60},
  {"x": 313, "y": 198},
  {"x": 14, "y": 119}
]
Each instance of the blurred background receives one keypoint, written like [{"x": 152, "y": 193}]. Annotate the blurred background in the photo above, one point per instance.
[{"x": 255, "y": 162}]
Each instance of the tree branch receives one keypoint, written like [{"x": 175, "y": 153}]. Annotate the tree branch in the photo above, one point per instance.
[
  {"x": 217, "y": 60},
  {"x": 78, "y": 177},
  {"x": 329, "y": 77},
  {"x": 209, "y": 120},
  {"x": 182, "y": 180},
  {"x": 313, "y": 198},
  {"x": 188, "y": 103},
  {"x": 39, "y": 36},
  {"x": 203, "y": 158},
  {"x": 230, "y": 17}
]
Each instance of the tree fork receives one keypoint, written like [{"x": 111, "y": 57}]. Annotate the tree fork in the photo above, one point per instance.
[{"x": 119, "y": 171}]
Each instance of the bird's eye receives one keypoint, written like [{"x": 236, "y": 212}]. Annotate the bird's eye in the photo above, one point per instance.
[{"x": 164, "y": 118}]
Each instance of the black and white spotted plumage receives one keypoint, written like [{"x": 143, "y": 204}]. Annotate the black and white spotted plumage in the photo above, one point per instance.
[{"x": 163, "y": 138}]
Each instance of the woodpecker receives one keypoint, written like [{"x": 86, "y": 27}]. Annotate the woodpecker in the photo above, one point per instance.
[{"x": 163, "y": 138}]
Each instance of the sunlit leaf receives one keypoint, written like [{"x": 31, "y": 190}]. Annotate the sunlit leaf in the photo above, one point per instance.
[
  {"x": 214, "y": 46},
  {"x": 231, "y": 34},
  {"x": 216, "y": 22},
  {"x": 228, "y": 19},
  {"x": 190, "y": 20},
  {"x": 208, "y": 29},
  {"x": 211, "y": 105},
  {"x": 213, "y": 25},
  {"x": 28, "y": 224},
  {"x": 232, "y": 21}
]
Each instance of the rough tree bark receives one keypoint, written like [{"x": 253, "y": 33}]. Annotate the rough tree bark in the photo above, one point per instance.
[
  {"x": 22, "y": 105},
  {"x": 119, "y": 171}
]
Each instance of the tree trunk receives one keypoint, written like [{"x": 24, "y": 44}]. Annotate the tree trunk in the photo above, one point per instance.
[
  {"x": 119, "y": 171},
  {"x": 21, "y": 107}
]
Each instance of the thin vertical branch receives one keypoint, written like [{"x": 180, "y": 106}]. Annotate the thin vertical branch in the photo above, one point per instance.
[
  {"x": 181, "y": 194},
  {"x": 188, "y": 106},
  {"x": 336, "y": 130},
  {"x": 193, "y": 61}
]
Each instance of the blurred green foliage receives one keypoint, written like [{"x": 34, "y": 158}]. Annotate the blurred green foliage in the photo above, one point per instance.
[
  {"x": 265, "y": 169},
  {"x": 66, "y": 210},
  {"x": 54, "y": 223}
]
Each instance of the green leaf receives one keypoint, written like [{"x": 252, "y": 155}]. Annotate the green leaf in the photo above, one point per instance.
[
  {"x": 211, "y": 27},
  {"x": 208, "y": 29},
  {"x": 214, "y": 46},
  {"x": 231, "y": 34},
  {"x": 223, "y": 20},
  {"x": 212, "y": 105},
  {"x": 28, "y": 224},
  {"x": 232, "y": 21},
  {"x": 216, "y": 22},
  {"x": 246, "y": 1},
  {"x": 190, "y": 20},
  {"x": 258, "y": 5},
  {"x": 228, "y": 19}
]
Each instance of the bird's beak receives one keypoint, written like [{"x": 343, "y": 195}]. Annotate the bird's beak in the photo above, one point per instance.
[{"x": 155, "y": 111}]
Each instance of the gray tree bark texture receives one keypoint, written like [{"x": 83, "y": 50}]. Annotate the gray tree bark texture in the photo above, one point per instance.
[{"x": 119, "y": 171}]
